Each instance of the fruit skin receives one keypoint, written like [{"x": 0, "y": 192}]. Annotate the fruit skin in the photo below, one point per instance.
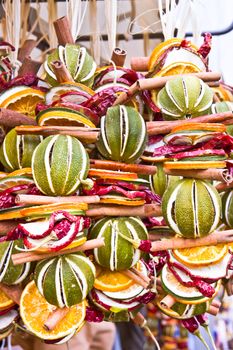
[
  {"x": 59, "y": 165},
  {"x": 192, "y": 208},
  {"x": 118, "y": 253},
  {"x": 16, "y": 150},
  {"x": 224, "y": 106},
  {"x": 227, "y": 208},
  {"x": 66, "y": 280},
  {"x": 123, "y": 134},
  {"x": 11, "y": 274},
  {"x": 183, "y": 98},
  {"x": 78, "y": 62}
]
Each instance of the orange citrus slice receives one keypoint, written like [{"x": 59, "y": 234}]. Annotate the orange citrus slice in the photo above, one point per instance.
[
  {"x": 22, "y": 99},
  {"x": 200, "y": 126},
  {"x": 112, "y": 281},
  {"x": 50, "y": 208},
  {"x": 178, "y": 68},
  {"x": 11, "y": 181},
  {"x": 5, "y": 302},
  {"x": 199, "y": 256},
  {"x": 223, "y": 94},
  {"x": 195, "y": 165},
  {"x": 123, "y": 201},
  {"x": 35, "y": 310},
  {"x": 111, "y": 174},
  {"x": 19, "y": 172},
  {"x": 161, "y": 48}
]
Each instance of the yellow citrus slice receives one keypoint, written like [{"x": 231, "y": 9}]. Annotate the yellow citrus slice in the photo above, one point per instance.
[
  {"x": 50, "y": 208},
  {"x": 5, "y": 302},
  {"x": 35, "y": 310},
  {"x": 75, "y": 243},
  {"x": 178, "y": 68},
  {"x": 22, "y": 99},
  {"x": 223, "y": 94},
  {"x": 159, "y": 50},
  {"x": 112, "y": 281},
  {"x": 199, "y": 256},
  {"x": 200, "y": 126},
  {"x": 11, "y": 181},
  {"x": 123, "y": 201},
  {"x": 195, "y": 165},
  {"x": 19, "y": 172}
]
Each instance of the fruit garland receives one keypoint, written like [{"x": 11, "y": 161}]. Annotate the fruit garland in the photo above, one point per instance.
[{"x": 109, "y": 232}]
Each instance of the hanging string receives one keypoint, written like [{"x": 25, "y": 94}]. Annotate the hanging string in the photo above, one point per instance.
[
  {"x": 13, "y": 25},
  {"x": 110, "y": 9},
  {"x": 76, "y": 15},
  {"x": 52, "y": 16},
  {"x": 95, "y": 33}
]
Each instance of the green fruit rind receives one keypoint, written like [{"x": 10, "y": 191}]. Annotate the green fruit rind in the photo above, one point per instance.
[
  {"x": 122, "y": 134},
  {"x": 59, "y": 164},
  {"x": 184, "y": 97},
  {"x": 227, "y": 203},
  {"x": 118, "y": 253},
  {"x": 9, "y": 273},
  {"x": 17, "y": 150},
  {"x": 66, "y": 280},
  {"x": 192, "y": 208}
]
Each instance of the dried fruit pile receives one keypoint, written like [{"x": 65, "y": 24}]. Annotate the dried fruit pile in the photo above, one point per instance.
[{"x": 112, "y": 184}]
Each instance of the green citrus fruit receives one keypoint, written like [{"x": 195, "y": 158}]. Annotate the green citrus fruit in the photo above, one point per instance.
[
  {"x": 192, "y": 208},
  {"x": 66, "y": 280},
  {"x": 59, "y": 164},
  {"x": 184, "y": 97},
  {"x": 16, "y": 150},
  {"x": 79, "y": 63},
  {"x": 227, "y": 208},
  {"x": 122, "y": 134},
  {"x": 9, "y": 273},
  {"x": 118, "y": 252}
]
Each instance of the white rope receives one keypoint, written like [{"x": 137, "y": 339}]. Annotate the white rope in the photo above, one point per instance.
[
  {"x": 76, "y": 15},
  {"x": 110, "y": 7}
]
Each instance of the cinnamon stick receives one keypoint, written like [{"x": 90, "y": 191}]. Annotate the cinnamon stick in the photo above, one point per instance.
[
  {"x": 6, "y": 226},
  {"x": 212, "y": 310},
  {"x": 29, "y": 66},
  {"x": 13, "y": 292},
  {"x": 179, "y": 243},
  {"x": 134, "y": 168},
  {"x": 118, "y": 56},
  {"x": 11, "y": 118},
  {"x": 208, "y": 174},
  {"x": 139, "y": 64},
  {"x": 21, "y": 258},
  {"x": 55, "y": 317},
  {"x": 158, "y": 83},
  {"x": 26, "y": 49},
  {"x": 36, "y": 200},
  {"x": 118, "y": 210},
  {"x": 140, "y": 274},
  {"x": 168, "y": 301},
  {"x": 63, "y": 32},
  {"x": 222, "y": 186},
  {"x": 61, "y": 72},
  {"x": 84, "y": 134},
  {"x": 135, "y": 278}
]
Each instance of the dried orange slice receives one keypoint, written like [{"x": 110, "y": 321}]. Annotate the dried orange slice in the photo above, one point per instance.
[
  {"x": 159, "y": 50},
  {"x": 111, "y": 174},
  {"x": 35, "y": 310},
  {"x": 112, "y": 281},
  {"x": 199, "y": 256},
  {"x": 5, "y": 302},
  {"x": 178, "y": 68},
  {"x": 195, "y": 165},
  {"x": 19, "y": 172},
  {"x": 200, "y": 126},
  {"x": 11, "y": 181},
  {"x": 122, "y": 201},
  {"x": 22, "y": 99},
  {"x": 47, "y": 209}
]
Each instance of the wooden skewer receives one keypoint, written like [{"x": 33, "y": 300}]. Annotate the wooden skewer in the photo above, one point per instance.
[
  {"x": 61, "y": 72},
  {"x": 55, "y": 317},
  {"x": 21, "y": 258},
  {"x": 36, "y": 200},
  {"x": 158, "y": 83},
  {"x": 179, "y": 243},
  {"x": 117, "y": 210}
]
